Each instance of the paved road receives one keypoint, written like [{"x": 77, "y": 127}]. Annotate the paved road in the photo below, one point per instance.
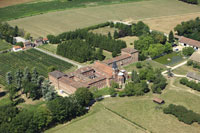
[{"x": 60, "y": 57}]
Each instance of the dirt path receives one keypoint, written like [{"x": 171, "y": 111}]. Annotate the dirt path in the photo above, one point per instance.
[
  {"x": 173, "y": 87},
  {"x": 61, "y": 58}
]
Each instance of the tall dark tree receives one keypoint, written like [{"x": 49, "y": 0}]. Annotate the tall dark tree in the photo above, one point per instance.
[
  {"x": 171, "y": 37},
  {"x": 83, "y": 96}
]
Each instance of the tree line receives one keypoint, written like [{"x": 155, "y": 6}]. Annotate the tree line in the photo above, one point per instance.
[
  {"x": 191, "y": 84},
  {"x": 7, "y": 32},
  {"x": 81, "y": 45},
  {"x": 189, "y": 29},
  {"x": 182, "y": 113},
  {"x": 193, "y": 64},
  {"x": 190, "y": 1},
  {"x": 153, "y": 45},
  {"x": 56, "y": 110}
]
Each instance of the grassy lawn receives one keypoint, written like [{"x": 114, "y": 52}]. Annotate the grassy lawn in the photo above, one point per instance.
[
  {"x": 58, "y": 22},
  {"x": 107, "y": 54},
  {"x": 104, "y": 31},
  {"x": 98, "y": 120},
  {"x": 140, "y": 110},
  {"x": 154, "y": 64},
  {"x": 49, "y": 47},
  {"x": 129, "y": 40},
  {"x": 30, "y": 58},
  {"x": 4, "y": 45},
  {"x": 183, "y": 70},
  {"x": 170, "y": 59}
]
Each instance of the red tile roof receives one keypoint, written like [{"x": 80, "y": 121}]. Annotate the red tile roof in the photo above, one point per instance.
[
  {"x": 189, "y": 41},
  {"x": 116, "y": 59},
  {"x": 129, "y": 50}
]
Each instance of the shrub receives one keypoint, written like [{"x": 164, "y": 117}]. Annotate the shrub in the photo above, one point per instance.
[
  {"x": 190, "y": 63},
  {"x": 112, "y": 92},
  {"x": 138, "y": 65},
  {"x": 122, "y": 94},
  {"x": 188, "y": 51}
]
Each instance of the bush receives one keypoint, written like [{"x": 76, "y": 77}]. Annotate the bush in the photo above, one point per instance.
[
  {"x": 183, "y": 114},
  {"x": 122, "y": 94},
  {"x": 138, "y": 65},
  {"x": 188, "y": 51},
  {"x": 112, "y": 92},
  {"x": 190, "y": 63},
  {"x": 191, "y": 84}
]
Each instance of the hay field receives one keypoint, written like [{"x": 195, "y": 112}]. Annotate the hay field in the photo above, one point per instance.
[
  {"x": 166, "y": 24},
  {"x": 60, "y": 21}
]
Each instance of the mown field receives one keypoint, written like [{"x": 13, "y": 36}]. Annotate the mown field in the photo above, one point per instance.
[
  {"x": 4, "y": 45},
  {"x": 44, "y": 6},
  {"x": 30, "y": 58},
  {"x": 60, "y": 21},
  {"x": 140, "y": 110}
]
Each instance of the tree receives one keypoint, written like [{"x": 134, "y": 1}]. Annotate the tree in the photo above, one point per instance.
[
  {"x": 48, "y": 92},
  {"x": 112, "y": 92},
  {"x": 83, "y": 96},
  {"x": 116, "y": 35},
  {"x": 100, "y": 55},
  {"x": 20, "y": 44},
  {"x": 42, "y": 117},
  {"x": 109, "y": 35},
  {"x": 169, "y": 73},
  {"x": 34, "y": 75},
  {"x": 9, "y": 78},
  {"x": 189, "y": 62},
  {"x": 51, "y": 68},
  {"x": 188, "y": 51},
  {"x": 27, "y": 74},
  {"x": 171, "y": 37},
  {"x": 16, "y": 31},
  {"x": 28, "y": 36},
  {"x": 138, "y": 65},
  {"x": 134, "y": 77},
  {"x": 19, "y": 76}
]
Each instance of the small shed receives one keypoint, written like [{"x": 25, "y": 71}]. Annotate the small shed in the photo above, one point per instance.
[{"x": 158, "y": 100}]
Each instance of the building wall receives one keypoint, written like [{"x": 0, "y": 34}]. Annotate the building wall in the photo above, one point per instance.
[
  {"x": 66, "y": 88},
  {"x": 99, "y": 84}
]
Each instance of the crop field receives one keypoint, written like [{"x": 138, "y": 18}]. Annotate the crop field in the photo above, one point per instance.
[
  {"x": 61, "y": 21},
  {"x": 141, "y": 110},
  {"x": 4, "y": 45},
  {"x": 43, "y": 6},
  {"x": 30, "y": 58}
]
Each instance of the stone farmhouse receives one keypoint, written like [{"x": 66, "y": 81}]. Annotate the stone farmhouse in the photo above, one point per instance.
[
  {"x": 99, "y": 74},
  {"x": 187, "y": 42}
]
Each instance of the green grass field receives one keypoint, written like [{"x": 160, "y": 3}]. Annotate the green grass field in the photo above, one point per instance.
[
  {"x": 170, "y": 59},
  {"x": 61, "y": 21},
  {"x": 183, "y": 70},
  {"x": 49, "y": 47},
  {"x": 4, "y": 45},
  {"x": 154, "y": 64},
  {"x": 140, "y": 110},
  {"x": 30, "y": 58},
  {"x": 39, "y": 7}
]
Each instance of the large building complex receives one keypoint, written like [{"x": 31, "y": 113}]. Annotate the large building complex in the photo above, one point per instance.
[{"x": 99, "y": 74}]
